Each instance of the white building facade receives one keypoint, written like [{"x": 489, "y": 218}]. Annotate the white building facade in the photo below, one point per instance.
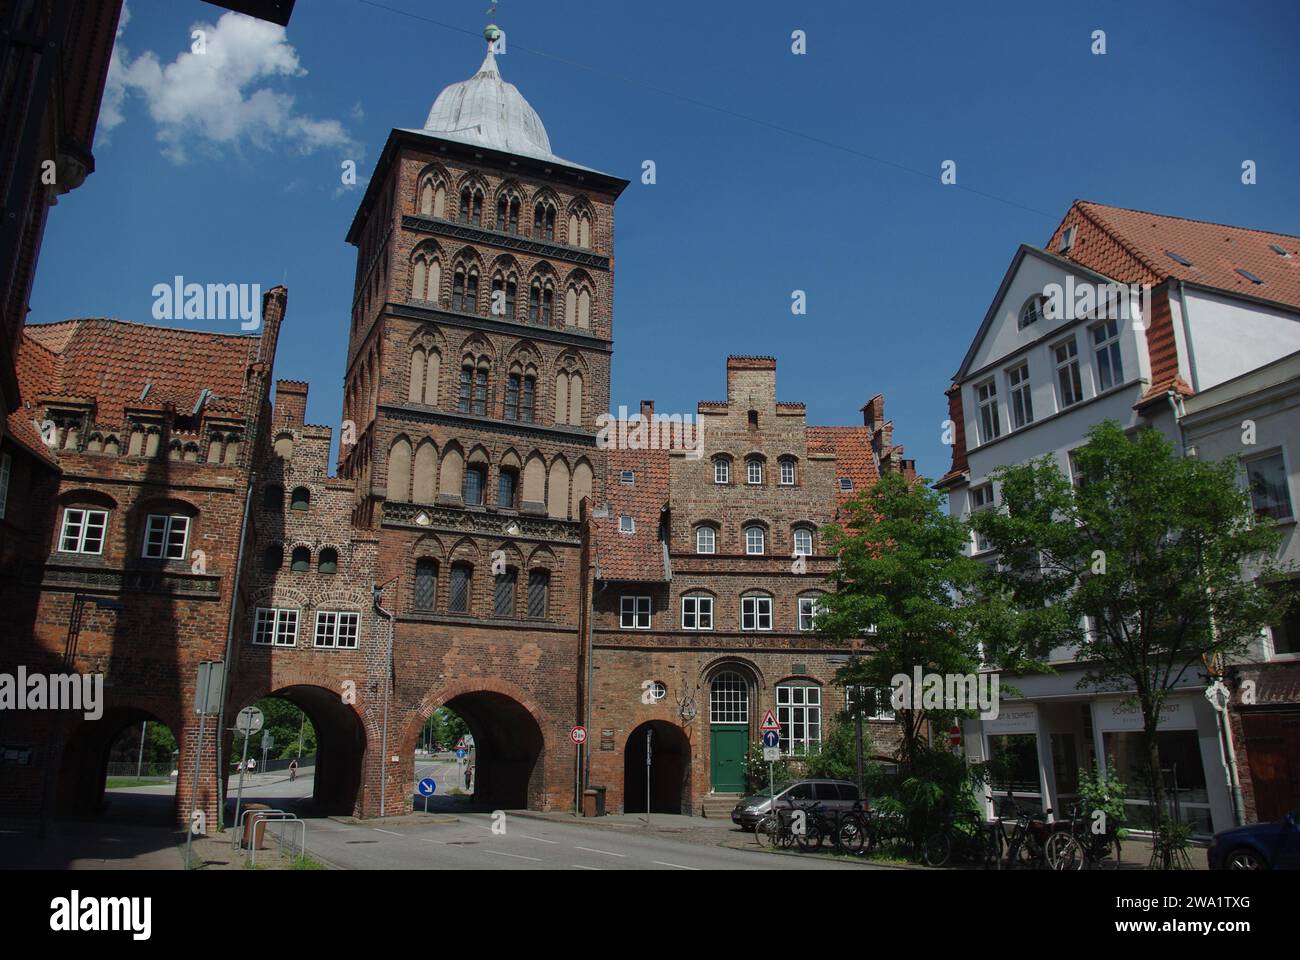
[{"x": 1146, "y": 320}]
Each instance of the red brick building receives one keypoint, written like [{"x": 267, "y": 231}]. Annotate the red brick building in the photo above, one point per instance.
[
  {"x": 127, "y": 557},
  {"x": 709, "y": 560}
]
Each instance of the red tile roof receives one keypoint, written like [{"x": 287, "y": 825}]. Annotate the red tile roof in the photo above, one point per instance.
[
  {"x": 853, "y": 458},
  {"x": 22, "y": 429},
  {"x": 112, "y": 360},
  {"x": 640, "y": 555}
]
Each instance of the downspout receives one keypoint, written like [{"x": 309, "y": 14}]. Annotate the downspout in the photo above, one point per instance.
[
  {"x": 1187, "y": 338},
  {"x": 1227, "y": 752},
  {"x": 230, "y": 645},
  {"x": 378, "y": 592}
]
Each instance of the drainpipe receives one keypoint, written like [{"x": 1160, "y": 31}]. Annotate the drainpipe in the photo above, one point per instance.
[
  {"x": 378, "y": 593},
  {"x": 230, "y": 644},
  {"x": 1187, "y": 337},
  {"x": 1227, "y": 752}
]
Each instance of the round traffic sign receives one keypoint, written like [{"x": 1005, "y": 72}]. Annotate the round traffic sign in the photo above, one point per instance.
[
  {"x": 249, "y": 721},
  {"x": 578, "y": 735},
  {"x": 427, "y": 787},
  {"x": 771, "y": 739}
]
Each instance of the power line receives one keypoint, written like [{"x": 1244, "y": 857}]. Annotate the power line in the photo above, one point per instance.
[{"x": 725, "y": 111}]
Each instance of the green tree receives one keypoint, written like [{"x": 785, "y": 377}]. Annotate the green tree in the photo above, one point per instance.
[{"x": 1139, "y": 566}]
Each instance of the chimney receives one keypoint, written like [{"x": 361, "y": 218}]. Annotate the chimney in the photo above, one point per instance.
[
  {"x": 290, "y": 403},
  {"x": 752, "y": 381},
  {"x": 873, "y": 411},
  {"x": 647, "y": 409}
]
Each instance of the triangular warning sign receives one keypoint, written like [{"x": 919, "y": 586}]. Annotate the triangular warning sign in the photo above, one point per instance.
[{"x": 769, "y": 721}]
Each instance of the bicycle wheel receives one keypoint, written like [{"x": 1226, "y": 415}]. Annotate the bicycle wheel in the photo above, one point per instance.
[
  {"x": 1105, "y": 854},
  {"x": 937, "y": 849},
  {"x": 852, "y": 834},
  {"x": 990, "y": 849},
  {"x": 811, "y": 838},
  {"x": 1063, "y": 852},
  {"x": 765, "y": 832}
]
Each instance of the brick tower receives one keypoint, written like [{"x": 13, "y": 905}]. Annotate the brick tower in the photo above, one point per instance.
[{"x": 478, "y": 362}]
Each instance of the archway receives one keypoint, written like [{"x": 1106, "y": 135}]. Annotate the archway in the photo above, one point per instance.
[
  {"x": 670, "y": 766},
  {"x": 129, "y": 753},
  {"x": 333, "y": 780}
]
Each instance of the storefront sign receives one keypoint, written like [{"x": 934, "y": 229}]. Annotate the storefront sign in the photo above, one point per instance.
[
  {"x": 1118, "y": 715},
  {"x": 1013, "y": 718}
]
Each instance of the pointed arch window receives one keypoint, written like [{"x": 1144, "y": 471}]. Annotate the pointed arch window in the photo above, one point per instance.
[
  {"x": 426, "y": 583},
  {"x": 508, "y": 213},
  {"x": 471, "y": 206},
  {"x": 504, "y": 293},
  {"x": 544, "y": 221},
  {"x": 464, "y": 289},
  {"x": 461, "y": 581}
]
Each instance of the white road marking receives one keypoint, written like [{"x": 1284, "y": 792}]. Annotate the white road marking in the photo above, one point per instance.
[
  {"x": 528, "y": 836},
  {"x": 605, "y": 852},
  {"x": 578, "y": 866},
  {"x": 502, "y": 853},
  {"x": 389, "y": 832},
  {"x": 427, "y": 840},
  {"x": 665, "y": 863}
]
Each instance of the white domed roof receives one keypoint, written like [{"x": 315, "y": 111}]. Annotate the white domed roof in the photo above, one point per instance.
[{"x": 486, "y": 111}]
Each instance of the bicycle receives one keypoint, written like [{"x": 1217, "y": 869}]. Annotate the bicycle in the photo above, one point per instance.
[
  {"x": 964, "y": 835},
  {"x": 1081, "y": 846},
  {"x": 1025, "y": 845}
]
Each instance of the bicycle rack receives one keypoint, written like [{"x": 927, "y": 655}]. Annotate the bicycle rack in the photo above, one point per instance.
[
  {"x": 278, "y": 817},
  {"x": 237, "y": 839}
]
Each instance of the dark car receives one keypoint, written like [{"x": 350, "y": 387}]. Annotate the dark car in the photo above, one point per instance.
[
  {"x": 833, "y": 794},
  {"x": 1258, "y": 846}
]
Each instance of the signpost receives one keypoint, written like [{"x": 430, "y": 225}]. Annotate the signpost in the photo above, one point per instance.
[
  {"x": 649, "y": 738},
  {"x": 207, "y": 702},
  {"x": 771, "y": 753},
  {"x": 579, "y": 736},
  {"x": 247, "y": 722},
  {"x": 427, "y": 787}
]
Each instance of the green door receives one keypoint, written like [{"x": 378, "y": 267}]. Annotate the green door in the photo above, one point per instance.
[{"x": 727, "y": 743}]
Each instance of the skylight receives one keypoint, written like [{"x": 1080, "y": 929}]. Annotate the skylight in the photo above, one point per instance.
[
  {"x": 1278, "y": 249},
  {"x": 1179, "y": 257},
  {"x": 1249, "y": 276},
  {"x": 628, "y": 477},
  {"x": 846, "y": 483}
]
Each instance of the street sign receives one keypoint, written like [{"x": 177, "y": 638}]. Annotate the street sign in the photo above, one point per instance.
[
  {"x": 578, "y": 735},
  {"x": 268, "y": 741},
  {"x": 769, "y": 721},
  {"x": 771, "y": 754},
  {"x": 207, "y": 692},
  {"x": 249, "y": 721},
  {"x": 460, "y": 753},
  {"x": 771, "y": 739},
  {"x": 427, "y": 787},
  {"x": 460, "y": 744}
]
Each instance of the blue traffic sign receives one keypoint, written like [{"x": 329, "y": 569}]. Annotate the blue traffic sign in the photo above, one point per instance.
[
  {"x": 460, "y": 754},
  {"x": 771, "y": 738},
  {"x": 427, "y": 787}
]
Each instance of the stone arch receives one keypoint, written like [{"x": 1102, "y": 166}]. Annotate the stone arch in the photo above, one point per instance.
[
  {"x": 557, "y": 489},
  {"x": 399, "y": 469},
  {"x": 424, "y": 482},
  {"x": 431, "y": 191},
  {"x": 583, "y": 477},
  {"x": 534, "y": 480},
  {"x": 452, "y": 472}
]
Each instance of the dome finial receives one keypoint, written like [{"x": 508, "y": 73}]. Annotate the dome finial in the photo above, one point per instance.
[{"x": 491, "y": 33}]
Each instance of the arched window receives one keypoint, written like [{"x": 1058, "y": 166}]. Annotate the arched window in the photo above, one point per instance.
[
  {"x": 328, "y": 562},
  {"x": 521, "y": 393},
  {"x": 273, "y": 498},
  {"x": 539, "y": 588},
  {"x": 433, "y": 197},
  {"x": 471, "y": 205},
  {"x": 1031, "y": 312},
  {"x": 425, "y": 484},
  {"x": 273, "y": 558},
  {"x": 788, "y": 472},
  {"x": 475, "y": 484},
  {"x": 541, "y": 301},
  {"x": 754, "y": 471},
  {"x": 508, "y": 213},
  {"x": 544, "y": 220},
  {"x": 577, "y": 306},
  {"x": 462, "y": 577},
  {"x": 472, "y": 397},
  {"x": 426, "y": 583},
  {"x": 803, "y": 542},
  {"x": 729, "y": 699},
  {"x": 423, "y": 383},
  {"x": 503, "y": 593},
  {"x": 464, "y": 289},
  {"x": 301, "y": 499},
  {"x": 706, "y": 539},
  {"x": 504, "y": 290},
  {"x": 755, "y": 540},
  {"x": 300, "y": 562},
  {"x": 721, "y": 469},
  {"x": 580, "y": 229},
  {"x": 508, "y": 488},
  {"x": 426, "y": 276}
]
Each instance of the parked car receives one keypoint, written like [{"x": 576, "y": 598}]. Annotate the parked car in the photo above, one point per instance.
[
  {"x": 1258, "y": 846},
  {"x": 833, "y": 794}
]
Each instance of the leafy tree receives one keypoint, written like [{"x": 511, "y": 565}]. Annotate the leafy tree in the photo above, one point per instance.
[
  {"x": 1148, "y": 550},
  {"x": 901, "y": 573}
]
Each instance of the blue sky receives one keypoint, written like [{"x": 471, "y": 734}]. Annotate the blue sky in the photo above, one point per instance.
[{"x": 229, "y": 170}]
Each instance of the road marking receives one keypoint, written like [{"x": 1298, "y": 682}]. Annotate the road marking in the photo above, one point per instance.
[
  {"x": 389, "y": 832},
  {"x": 665, "y": 863},
  {"x": 578, "y": 866},
  {"x": 502, "y": 853},
  {"x": 605, "y": 852},
  {"x": 427, "y": 840},
  {"x": 528, "y": 836}
]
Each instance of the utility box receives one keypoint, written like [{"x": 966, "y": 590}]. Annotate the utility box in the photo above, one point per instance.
[{"x": 593, "y": 802}]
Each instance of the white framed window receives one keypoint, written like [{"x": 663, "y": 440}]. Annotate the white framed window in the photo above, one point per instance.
[
  {"x": 986, "y": 401},
  {"x": 1022, "y": 401},
  {"x": 626, "y": 524},
  {"x": 803, "y": 542},
  {"x": 755, "y": 541},
  {"x": 83, "y": 530},
  {"x": 1267, "y": 480},
  {"x": 809, "y": 607},
  {"x": 337, "y": 629},
  {"x": 729, "y": 699},
  {"x": 721, "y": 470},
  {"x": 754, "y": 471},
  {"x": 657, "y": 691},
  {"x": 846, "y": 484},
  {"x": 756, "y": 612},
  {"x": 6, "y": 466},
  {"x": 165, "y": 537},
  {"x": 1031, "y": 312},
  {"x": 697, "y": 612},
  {"x": 706, "y": 540},
  {"x": 787, "y": 473},
  {"x": 981, "y": 498},
  {"x": 275, "y": 627},
  {"x": 876, "y": 703},
  {"x": 1105, "y": 344},
  {"x": 1069, "y": 384},
  {"x": 634, "y": 613},
  {"x": 799, "y": 711}
]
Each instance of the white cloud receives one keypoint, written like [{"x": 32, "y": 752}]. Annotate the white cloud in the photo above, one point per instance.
[{"x": 217, "y": 98}]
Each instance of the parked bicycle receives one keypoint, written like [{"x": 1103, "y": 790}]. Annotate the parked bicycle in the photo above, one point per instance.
[
  {"x": 1084, "y": 842},
  {"x": 961, "y": 836},
  {"x": 1025, "y": 843}
]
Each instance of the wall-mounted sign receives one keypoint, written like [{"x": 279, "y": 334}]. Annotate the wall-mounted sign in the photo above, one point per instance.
[
  {"x": 1116, "y": 715},
  {"x": 1012, "y": 719}
]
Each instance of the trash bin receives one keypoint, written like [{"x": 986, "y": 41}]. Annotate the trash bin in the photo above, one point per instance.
[
  {"x": 254, "y": 826},
  {"x": 593, "y": 802}
]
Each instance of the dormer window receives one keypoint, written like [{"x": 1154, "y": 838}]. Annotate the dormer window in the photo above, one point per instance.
[
  {"x": 1031, "y": 312},
  {"x": 627, "y": 477},
  {"x": 626, "y": 524},
  {"x": 846, "y": 484}
]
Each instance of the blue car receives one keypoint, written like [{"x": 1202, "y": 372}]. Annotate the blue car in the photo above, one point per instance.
[{"x": 1258, "y": 846}]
